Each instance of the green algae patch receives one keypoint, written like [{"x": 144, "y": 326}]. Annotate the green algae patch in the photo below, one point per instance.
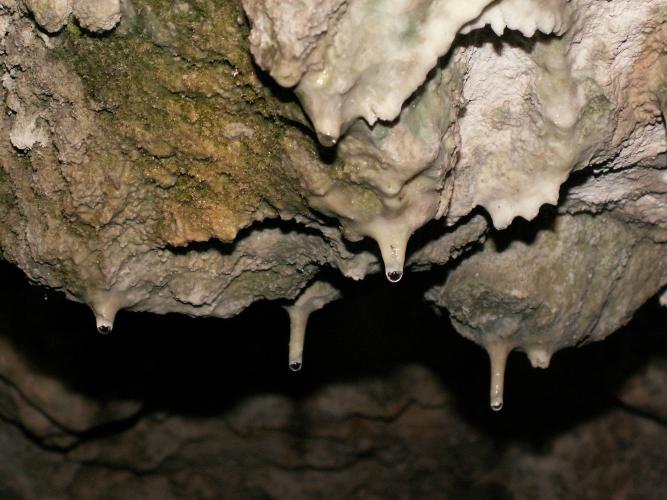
[{"x": 177, "y": 95}]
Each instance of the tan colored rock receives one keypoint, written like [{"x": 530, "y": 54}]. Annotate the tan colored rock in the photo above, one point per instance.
[
  {"x": 51, "y": 15},
  {"x": 97, "y": 15}
]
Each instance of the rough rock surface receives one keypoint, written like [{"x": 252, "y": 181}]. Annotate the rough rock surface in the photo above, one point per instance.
[
  {"x": 93, "y": 15},
  {"x": 148, "y": 164},
  {"x": 148, "y": 140},
  {"x": 139, "y": 168},
  {"x": 572, "y": 282},
  {"x": 119, "y": 184}
]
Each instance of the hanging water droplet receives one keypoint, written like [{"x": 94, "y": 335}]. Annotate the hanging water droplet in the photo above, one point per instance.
[
  {"x": 104, "y": 327},
  {"x": 394, "y": 276},
  {"x": 315, "y": 297},
  {"x": 498, "y": 352},
  {"x": 496, "y": 405},
  {"x": 298, "y": 320},
  {"x": 105, "y": 307},
  {"x": 393, "y": 256},
  {"x": 295, "y": 366}
]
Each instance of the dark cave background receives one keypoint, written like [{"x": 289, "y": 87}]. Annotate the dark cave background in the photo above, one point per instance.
[{"x": 202, "y": 367}]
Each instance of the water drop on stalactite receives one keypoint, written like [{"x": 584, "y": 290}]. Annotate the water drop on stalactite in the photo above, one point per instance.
[
  {"x": 105, "y": 305},
  {"x": 497, "y": 405},
  {"x": 498, "y": 352},
  {"x": 103, "y": 326},
  {"x": 315, "y": 297},
  {"x": 295, "y": 366},
  {"x": 393, "y": 256},
  {"x": 394, "y": 276},
  {"x": 298, "y": 321}
]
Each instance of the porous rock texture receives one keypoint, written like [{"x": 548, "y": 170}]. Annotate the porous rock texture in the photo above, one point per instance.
[
  {"x": 199, "y": 156},
  {"x": 156, "y": 169}
]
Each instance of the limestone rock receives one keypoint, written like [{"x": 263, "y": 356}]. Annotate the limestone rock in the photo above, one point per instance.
[
  {"x": 51, "y": 15},
  {"x": 97, "y": 15},
  {"x": 155, "y": 168},
  {"x": 575, "y": 281}
]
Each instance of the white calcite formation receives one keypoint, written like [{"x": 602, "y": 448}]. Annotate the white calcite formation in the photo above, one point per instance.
[
  {"x": 571, "y": 85},
  {"x": 370, "y": 56},
  {"x": 314, "y": 298},
  {"x": 392, "y": 179},
  {"x": 93, "y": 15},
  {"x": 536, "y": 107},
  {"x": 140, "y": 169},
  {"x": 268, "y": 264}
]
